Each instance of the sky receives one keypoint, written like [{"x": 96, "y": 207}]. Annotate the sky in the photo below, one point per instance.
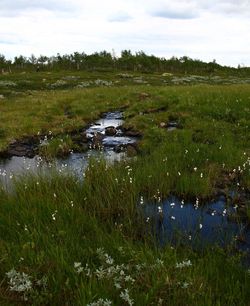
[{"x": 200, "y": 29}]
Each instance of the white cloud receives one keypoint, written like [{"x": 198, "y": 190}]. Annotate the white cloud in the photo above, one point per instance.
[
  {"x": 201, "y": 29},
  {"x": 18, "y": 7},
  {"x": 120, "y": 17}
]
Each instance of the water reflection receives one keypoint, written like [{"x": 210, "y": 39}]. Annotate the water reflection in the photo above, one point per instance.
[
  {"x": 75, "y": 163},
  {"x": 191, "y": 224}
]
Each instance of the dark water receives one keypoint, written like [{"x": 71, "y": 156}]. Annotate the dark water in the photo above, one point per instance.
[
  {"x": 75, "y": 162},
  {"x": 197, "y": 224}
]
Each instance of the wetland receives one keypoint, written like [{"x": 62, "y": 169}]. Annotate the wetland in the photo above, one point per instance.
[{"x": 101, "y": 174}]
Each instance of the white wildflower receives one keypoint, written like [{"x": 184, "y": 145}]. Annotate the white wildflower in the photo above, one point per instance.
[
  {"x": 183, "y": 264},
  {"x": 117, "y": 285},
  {"x": 185, "y": 285},
  {"x": 141, "y": 200},
  {"x": 159, "y": 209},
  {"x": 100, "y": 273},
  {"x": 19, "y": 282},
  {"x": 125, "y": 296},
  {"x": 78, "y": 267},
  {"x": 108, "y": 259},
  {"x": 128, "y": 278},
  {"x": 54, "y": 215},
  {"x": 159, "y": 262}
]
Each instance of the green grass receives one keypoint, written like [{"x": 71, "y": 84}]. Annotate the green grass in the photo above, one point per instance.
[
  {"x": 52, "y": 222},
  {"x": 57, "y": 147},
  {"x": 49, "y": 222}
]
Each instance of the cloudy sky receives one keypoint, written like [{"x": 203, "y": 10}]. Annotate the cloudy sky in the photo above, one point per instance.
[{"x": 203, "y": 29}]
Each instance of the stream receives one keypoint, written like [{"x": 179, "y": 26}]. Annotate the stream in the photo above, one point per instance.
[
  {"x": 195, "y": 224},
  {"x": 105, "y": 140}
]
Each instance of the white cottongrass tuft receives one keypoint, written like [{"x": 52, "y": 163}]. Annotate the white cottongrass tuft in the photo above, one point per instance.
[
  {"x": 125, "y": 296},
  {"x": 184, "y": 285},
  {"x": 19, "y": 282},
  {"x": 78, "y": 267},
  {"x": 183, "y": 264}
]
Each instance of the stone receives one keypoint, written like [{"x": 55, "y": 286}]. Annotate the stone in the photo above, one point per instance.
[
  {"x": 21, "y": 150},
  {"x": 24, "y": 147},
  {"x": 110, "y": 131},
  {"x": 130, "y": 132}
]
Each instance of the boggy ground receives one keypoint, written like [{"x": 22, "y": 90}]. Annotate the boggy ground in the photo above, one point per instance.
[{"x": 53, "y": 228}]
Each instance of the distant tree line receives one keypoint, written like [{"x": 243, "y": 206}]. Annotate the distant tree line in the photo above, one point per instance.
[{"x": 105, "y": 61}]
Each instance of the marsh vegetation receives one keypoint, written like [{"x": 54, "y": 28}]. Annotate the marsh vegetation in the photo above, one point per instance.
[{"x": 82, "y": 238}]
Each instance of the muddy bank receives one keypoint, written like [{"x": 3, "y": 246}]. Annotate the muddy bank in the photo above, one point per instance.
[
  {"x": 103, "y": 139},
  {"x": 26, "y": 146},
  {"x": 108, "y": 131}
]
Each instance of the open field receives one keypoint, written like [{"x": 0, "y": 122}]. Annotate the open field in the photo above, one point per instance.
[{"x": 79, "y": 241}]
